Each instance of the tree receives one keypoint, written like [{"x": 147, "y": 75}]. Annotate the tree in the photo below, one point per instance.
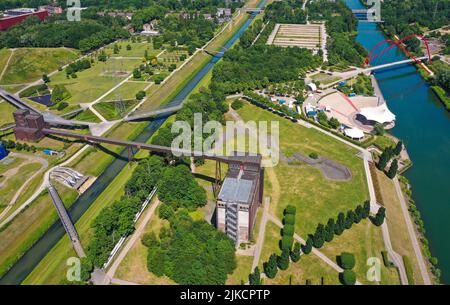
[
  {"x": 137, "y": 73},
  {"x": 329, "y": 230},
  {"x": 378, "y": 219},
  {"x": 348, "y": 277},
  {"x": 128, "y": 47},
  {"x": 359, "y": 211},
  {"x": 155, "y": 261},
  {"x": 140, "y": 95},
  {"x": 366, "y": 209},
  {"x": 288, "y": 230},
  {"x": 116, "y": 49},
  {"x": 318, "y": 237},
  {"x": 307, "y": 248},
  {"x": 289, "y": 219},
  {"x": 270, "y": 267},
  {"x": 340, "y": 224},
  {"x": 347, "y": 260},
  {"x": 45, "y": 78},
  {"x": 237, "y": 104},
  {"x": 255, "y": 277},
  {"x": 166, "y": 211},
  {"x": 398, "y": 148},
  {"x": 290, "y": 209},
  {"x": 86, "y": 269},
  {"x": 283, "y": 260},
  {"x": 295, "y": 253},
  {"x": 349, "y": 220},
  {"x": 384, "y": 159},
  {"x": 150, "y": 240},
  {"x": 393, "y": 169}
]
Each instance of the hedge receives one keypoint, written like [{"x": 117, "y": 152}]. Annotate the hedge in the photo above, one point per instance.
[
  {"x": 348, "y": 277},
  {"x": 289, "y": 219},
  {"x": 288, "y": 230},
  {"x": 290, "y": 209},
  {"x": 347, "y": 260},
  {"x": 286, "y": 242}
]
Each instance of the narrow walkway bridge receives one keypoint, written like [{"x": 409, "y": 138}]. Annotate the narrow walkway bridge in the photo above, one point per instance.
[
  {"x": 152, "y": 113},
  {"x": 66, "y": 221}
]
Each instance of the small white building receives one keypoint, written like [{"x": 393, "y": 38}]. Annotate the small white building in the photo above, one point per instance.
[
  {"x": 354, "y": 133},
  {"x": 380, "y": 114},
  {"x": 312, "y": 87}
]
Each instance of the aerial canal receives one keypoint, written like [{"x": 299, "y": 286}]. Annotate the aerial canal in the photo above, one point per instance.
[
  {"x": 423, "y": 124},
  {"x": 25, "y": 265}
]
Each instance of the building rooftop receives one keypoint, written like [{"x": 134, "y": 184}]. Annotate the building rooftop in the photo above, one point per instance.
[{"x": 236, "y": 190}]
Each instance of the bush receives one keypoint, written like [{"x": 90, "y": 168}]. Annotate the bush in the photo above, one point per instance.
[
  {"x": 314, "y": 155},
  {"x": 237, "y": 104},
  {"x": 295, "y": 253},
  {"x": 166, "y": 211},
  {"x": 150, "y": 240},
  {"x": 289, "y": 219},
  {"x": 270, "y": 267},
  {"x": 290, "y": 209},
  {"x": 283, "y": 260},
  {"x": 140, "y": 95},
  {"x": 288, "y": 230},
  {"x": 347, "y": 260},
  {"x": 348, "y": 277}
]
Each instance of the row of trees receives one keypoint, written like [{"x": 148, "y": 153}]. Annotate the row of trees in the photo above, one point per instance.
[
  {"x": 289, "y": 11},
  {"x": 190, "y": 252},
  {"x": 386, "y": 156}
]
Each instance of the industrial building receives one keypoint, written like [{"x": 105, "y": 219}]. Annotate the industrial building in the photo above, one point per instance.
[
  {"x": 17, "y": 16},
  {"x": 239, "y": 198},
  {"x": 28, "y": 125}
]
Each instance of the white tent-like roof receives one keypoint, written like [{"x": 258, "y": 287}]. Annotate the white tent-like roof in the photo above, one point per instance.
[
  {"x": 380, "y": 114},
  {"x": 354, "y": 133},
  {"x": 312, "y": 86}
]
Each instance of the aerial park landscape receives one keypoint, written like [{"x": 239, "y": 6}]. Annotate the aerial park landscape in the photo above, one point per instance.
[{"x": 350, "y": 190}]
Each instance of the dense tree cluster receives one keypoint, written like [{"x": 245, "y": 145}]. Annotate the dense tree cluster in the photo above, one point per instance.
[
  {"x": 250, "y": 34},
  {"x": 265, "y": 103},
  {"x": 378, "y": 219},
  {"x": 59, "y": 93},
  {"x": 117, "y": 220},
  {"x": 289, "y": 11},
  {"x": 407, "y": 17},
  {"x": 341, "y": 27},
  {"x": 191, "y": 252},
  {"x": 85, "y": 35},
  {"x": 256, "y": 66}
]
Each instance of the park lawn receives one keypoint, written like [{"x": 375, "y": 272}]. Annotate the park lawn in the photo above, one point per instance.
[
  {"x": 242, "y": 271},
  {"x": 134, "y": 266},
  {"x": 309, "y": 267},
  {"x": 29, "y": 64},
  {"x": 27, "y": 227},
  {"x": 4, "y": 56},
  {"x": 364, "y": 240},
  {"x": 115, "y": 110},
  {"x": 6, "y": 110},
  {"x": 316, "y": 198},
  {"x": 137, "y": 49},
  {"x": 88, "y": 116},
  {"x": 52, "y": 269},
  {"x": 92, "y": 83},
  {"x": 10, "y": 185},
  {"x": 12, "y": 88},
  {"x": 400, "y": 238},
  {"x": 126, "y": 92}
]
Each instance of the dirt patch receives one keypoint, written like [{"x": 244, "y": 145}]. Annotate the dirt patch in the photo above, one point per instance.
[{"x": 329, "y": 168}]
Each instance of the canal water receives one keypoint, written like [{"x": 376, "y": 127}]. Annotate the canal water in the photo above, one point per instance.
[
  {"x": 25, "y": 265},
  {"x": 424, "y": 125}
]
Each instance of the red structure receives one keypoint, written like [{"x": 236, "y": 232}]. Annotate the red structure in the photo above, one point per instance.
[
  {"x": 28, "y": 126},
  {"x": 7, "y": 22},
  {"x": 398, "y": 43}
]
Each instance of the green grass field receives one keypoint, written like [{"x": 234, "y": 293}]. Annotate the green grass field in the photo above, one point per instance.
[
  {"x": 29, "y": 64},
  {"x": 28, "y": 227},
  {"x": 6, "y": 111},
  {"x": 92, "y": 83},
  {"x": 125, "y": 92},
  {"x": 87, "y": 116},
  {"x": 137, "y": 49},
  {"x": 115, "y": 110}
]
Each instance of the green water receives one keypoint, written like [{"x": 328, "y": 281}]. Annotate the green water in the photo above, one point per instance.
[{"x": 423, "y": 124}]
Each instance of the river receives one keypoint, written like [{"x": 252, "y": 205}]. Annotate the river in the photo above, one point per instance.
[
  {"x": 423, "y": 124},
  {"x": 25, "y": 265}
]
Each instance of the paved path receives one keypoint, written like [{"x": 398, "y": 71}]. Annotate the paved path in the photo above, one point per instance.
[
  {"x": 262, "y": 231},
  {"x": 132, "y": 239},
  {"x": 7, "y": 63},
  {"x": 412, "y": 234},
  {"x": 122, "y": 282}
]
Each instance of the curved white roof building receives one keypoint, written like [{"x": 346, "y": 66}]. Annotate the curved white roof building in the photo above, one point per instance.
[{"x": 380, "y": 114}]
